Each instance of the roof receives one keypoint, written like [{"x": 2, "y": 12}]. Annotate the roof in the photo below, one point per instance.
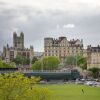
[{"x": 94, "y": 49}]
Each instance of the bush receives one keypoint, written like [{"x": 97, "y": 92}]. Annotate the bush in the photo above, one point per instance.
[{"x": 15, "y": 86}]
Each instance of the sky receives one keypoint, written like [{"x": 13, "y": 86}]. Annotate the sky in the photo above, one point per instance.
[{"x": 78, "y": 19}]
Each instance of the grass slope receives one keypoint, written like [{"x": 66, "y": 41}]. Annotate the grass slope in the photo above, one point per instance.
[{"x": 74, "y": 92}]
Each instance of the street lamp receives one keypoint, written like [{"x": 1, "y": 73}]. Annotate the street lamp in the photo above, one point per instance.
[{"x": 42, "y": 62}]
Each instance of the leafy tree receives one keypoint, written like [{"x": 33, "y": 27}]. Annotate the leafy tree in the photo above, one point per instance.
[
  {"x": 78, "y": 60},
  {"x": 70, "y": 60},
  {"x": 37, "y": 65},
  {"x": 7, "y": 65},
  {"x": 47, "y": 63},
  {"x": 34, "y": 60},
  {"x": 50, "y": 63},
  {"x": 95, "y": 72},
  {"x": 82, "y": 62},
  {"x": 21, "y": 60},
  {"x": 15, "y": 86},
  {"x": 1, "y": 63}
]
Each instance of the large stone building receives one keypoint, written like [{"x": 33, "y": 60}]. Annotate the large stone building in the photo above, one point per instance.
[
  {"x": 62, "y": 47},
  {"x": 18, "y": 41},
  {"x": 9, "y": 53},
  {"x": 93, "y": 56}
]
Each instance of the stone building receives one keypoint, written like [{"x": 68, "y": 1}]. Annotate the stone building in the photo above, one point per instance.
[
  {"x": 9, "y": 53},
  {"x": 93, "y": 56},
  {"x": 18, "y": 41},
  {"x": 61, "y": 47},
  {"x": 38, "y": 55}
]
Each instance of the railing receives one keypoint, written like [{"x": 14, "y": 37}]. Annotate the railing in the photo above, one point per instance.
[
  {"x": 34, "y": 71},
  {"x": 47, "y": 71},
  {"x": 8, "y": 70}
]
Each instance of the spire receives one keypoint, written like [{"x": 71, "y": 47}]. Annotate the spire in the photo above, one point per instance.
[
  {"x": 14, "y": 34},
  {"x": 22, "y": 34}
]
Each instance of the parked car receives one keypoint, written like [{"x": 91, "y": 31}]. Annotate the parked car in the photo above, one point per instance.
[{"x": 91, "y": 83}]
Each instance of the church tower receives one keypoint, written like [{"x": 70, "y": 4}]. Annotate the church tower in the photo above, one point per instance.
[
  {"x": 14, "y": 40},
  {"x": 18, "y": 41},
  {"x": 22, "y": 40}
]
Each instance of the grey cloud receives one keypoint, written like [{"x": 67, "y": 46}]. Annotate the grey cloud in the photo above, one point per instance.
[
  {"x": 37, "y": 24},
  {"x": 2, "y": 3}
]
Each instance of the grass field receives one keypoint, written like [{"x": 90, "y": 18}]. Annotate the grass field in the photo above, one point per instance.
[{"x": 74, "y": 92}]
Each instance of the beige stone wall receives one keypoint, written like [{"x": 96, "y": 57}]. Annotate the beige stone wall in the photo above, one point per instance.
[
  {"x": 62, "y": 49},
  {"x": 94, "y": 60}
]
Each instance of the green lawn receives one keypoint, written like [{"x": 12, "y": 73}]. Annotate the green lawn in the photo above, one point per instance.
[{"x": 74, "y": 92}]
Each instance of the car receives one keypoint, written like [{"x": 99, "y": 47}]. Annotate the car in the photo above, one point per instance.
[
  {"x": 91, "y": 83},
  {"x": 42, "y": 82},
  {"x": 79, "y": 81}
]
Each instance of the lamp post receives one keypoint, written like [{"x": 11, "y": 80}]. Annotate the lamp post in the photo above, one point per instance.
[
  {"x": 42, "y": 62},
  {"x": 76, "y": 60}
]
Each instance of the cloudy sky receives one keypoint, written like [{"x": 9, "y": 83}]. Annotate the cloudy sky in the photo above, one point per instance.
[{"x": 50, "y": 18}]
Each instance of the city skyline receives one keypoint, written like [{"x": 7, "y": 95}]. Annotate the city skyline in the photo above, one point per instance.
[{"x": 78, "y": 19}]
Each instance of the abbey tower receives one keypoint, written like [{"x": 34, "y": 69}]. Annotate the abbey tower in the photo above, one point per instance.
[{"x": 18, "y": 41}]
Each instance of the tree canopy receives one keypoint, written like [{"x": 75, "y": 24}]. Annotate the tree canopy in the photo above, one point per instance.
[
  {"x": 21, "y": 60},
  {"x": 50, "y": 63},
  {"x": 82, "y": 62},
  {"x": 34, "y": 60},
  {"x": 70, "y": 60},
  {"x": 77, "y": 60},
  {"x": 37, "y": 65},
  {"x": 7, "y": 65},
  {"x": 95, "y": 72},
  {"x": 14, "y": 86},
  {"x": 47, "y": 63}
]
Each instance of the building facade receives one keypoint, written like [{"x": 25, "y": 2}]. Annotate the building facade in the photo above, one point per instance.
[
  {"x": 39, "y": 55},
  {"x": 61, "y": 47},
  {"x": 93, "y": 56},
  {"x": 18, "y": 41},
  {"x": 9, "y": 53}
]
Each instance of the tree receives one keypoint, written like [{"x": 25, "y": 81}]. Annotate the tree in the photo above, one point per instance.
[
  {"x": 82, "y": 62},
  {"x": 37, "y": 65},
  {"x": 77, "y": 60},
  {"x": 15, "y": 86},
  {"x": 47, "y": 63},
  {"x": 70, "y": 60},
  {"x": 50, "y": 63},
  {"x": 34, "y": 60},
  {"x": 95, "y": 72},
  {"x": 21, "y": 60},
  {"x": 1, "y": 63},
  {"x": 7, "y": 65}
]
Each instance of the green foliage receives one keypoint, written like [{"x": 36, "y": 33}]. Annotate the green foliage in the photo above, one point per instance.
[
  {"x": 37, "y": 65},
  {"x": 1, "y": 63},
  {"x": 82, "y": 62},
  {"x": 78, "y": 60},
  {"x": 47, "y": 63},
  {"x": 50, "y": 63},
  {"x": 7, "y": 65},
  {"x": 70, "y": 60},
  {"x": 21, "y": 60},
  {"x": 15, "y": 86},
  {"x": 34, "y": 60},
  {"x": 95, "y": 72}
]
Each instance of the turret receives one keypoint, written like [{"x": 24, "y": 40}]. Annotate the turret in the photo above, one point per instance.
[
  {"x": 14, "y": 39},
  {"x": 22, "y": 39},
  {"x": 31, "y": 48}
]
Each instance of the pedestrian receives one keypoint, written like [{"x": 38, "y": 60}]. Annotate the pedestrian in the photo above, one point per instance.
[{"x": 82, "y": 91}]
